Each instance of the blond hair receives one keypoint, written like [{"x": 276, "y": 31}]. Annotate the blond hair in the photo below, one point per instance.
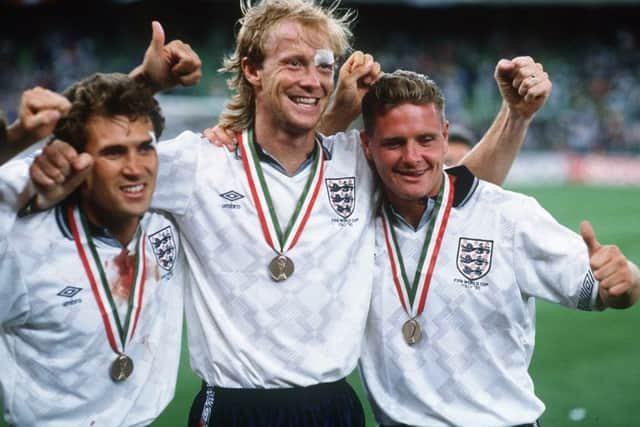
[{"x": 255, "y": 25}]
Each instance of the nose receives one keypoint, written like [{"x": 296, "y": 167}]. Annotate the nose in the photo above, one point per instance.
[
  {"x": 311, "y": 78},
  {"x": 134, "y": 165},
  {"x": 410, "y": 152}
]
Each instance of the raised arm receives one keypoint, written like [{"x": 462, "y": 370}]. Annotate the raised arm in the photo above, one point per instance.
[
  {"x": 619, "y": 278},
  {"x": 40, "y": 109},
  {"x": 355, "y": 78},
  {"x": 525, "y": 87},
  {"x": 167, "y": 65}
]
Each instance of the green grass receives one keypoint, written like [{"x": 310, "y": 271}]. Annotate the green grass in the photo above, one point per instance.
[{"x": 582, "y": 360}]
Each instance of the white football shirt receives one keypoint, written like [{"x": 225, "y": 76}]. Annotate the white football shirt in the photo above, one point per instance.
[
  {"x": 55, "y": 353},
  {"x": 500, "y": 250},
  {"x": 245, "y": 330}
]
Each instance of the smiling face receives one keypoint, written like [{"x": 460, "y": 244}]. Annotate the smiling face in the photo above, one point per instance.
[
  {"x": 119, "y": 188},
  {"x": 293, "y": 83},
  {"x": 407, "y": 147}
]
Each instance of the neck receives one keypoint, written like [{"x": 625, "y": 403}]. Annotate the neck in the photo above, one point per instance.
[
  {"x": 289, "y": 148},
  {"x": 123, "y": 229},
  {"x": 410, "y": 210}
]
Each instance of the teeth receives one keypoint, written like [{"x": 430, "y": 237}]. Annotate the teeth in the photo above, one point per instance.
[
  {"x": 304, "y": 100},
  {"x": 133, "y": 188},
  {"x": 412, "y": 173}
]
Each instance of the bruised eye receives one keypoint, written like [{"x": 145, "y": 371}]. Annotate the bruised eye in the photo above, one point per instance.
[{"x": 327, "y": 67}]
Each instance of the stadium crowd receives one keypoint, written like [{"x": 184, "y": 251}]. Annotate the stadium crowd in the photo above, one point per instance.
[{"x": 595, "y": 106}]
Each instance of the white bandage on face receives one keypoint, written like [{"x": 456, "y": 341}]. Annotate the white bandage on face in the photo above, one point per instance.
[
  {"x": 152, "y": 134},
  {"x": 324, "y": 58}
]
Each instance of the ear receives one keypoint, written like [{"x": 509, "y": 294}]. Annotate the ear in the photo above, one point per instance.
[
  {"x": 365, "y": 141},
  {"x": 251, "y": 72},
  {"x": 445, "y": 135}
]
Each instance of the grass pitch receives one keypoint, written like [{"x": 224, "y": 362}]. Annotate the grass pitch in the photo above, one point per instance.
[{"x": 586, "y": 366}]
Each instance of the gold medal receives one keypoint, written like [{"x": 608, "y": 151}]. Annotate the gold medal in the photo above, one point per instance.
[
  {"x": 411, "y": 331},
  {"x": 281, "y": 268},
  {"x": 121, "y": 368}
]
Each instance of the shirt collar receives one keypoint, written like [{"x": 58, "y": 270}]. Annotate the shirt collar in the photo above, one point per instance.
[
  {"x": 266, "y": 157},
  {"x": 97, "y": 233},
  {"x": 398, "y": 220}
]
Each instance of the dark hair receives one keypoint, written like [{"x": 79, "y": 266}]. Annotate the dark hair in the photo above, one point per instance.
[
  {"x": 3, "y": 129},
  {"x": 108, "y": 95},
  {"x": 400, "y": 87}
]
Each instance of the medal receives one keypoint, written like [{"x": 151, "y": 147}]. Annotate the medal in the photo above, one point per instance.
[
  {"x": 411, "y": 331},
  {"x": 118, "y": 332},
  {"x": 406, "y": 291},
  {"x": 281, "y": 267},
  {"x": 121, "y": 368}
]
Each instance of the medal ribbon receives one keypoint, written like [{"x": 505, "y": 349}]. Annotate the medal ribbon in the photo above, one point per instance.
[
  {"x": 428, "y": 256},
  {"x": 101, "y": 291},
  {"x": 264, "y": 204}
]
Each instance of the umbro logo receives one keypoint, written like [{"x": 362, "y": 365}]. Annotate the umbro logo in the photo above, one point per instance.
[
  {"x": 231, "y": 196},
  {"x": 69, "y": 292}
]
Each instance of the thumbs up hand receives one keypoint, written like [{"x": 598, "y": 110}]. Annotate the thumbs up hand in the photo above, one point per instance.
[
  {"x": 167, "y": 65},
  {"x": 619, "y": 279}
]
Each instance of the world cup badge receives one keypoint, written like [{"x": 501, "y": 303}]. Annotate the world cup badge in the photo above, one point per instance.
[
  {"x": 164, "y": 248},
  {"x": 342, "y": 195},
  {"x": 474, "y": 257}
]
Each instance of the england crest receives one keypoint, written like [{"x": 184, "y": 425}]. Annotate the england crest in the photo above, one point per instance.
[
  {"x": 164, "y": 248},
  {"x": 342, "y": 195},
  {"x": 474, "y": 257}
]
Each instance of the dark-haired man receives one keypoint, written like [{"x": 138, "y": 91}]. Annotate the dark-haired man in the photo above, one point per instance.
[
  {"x": 91, "y": 301},
  {"x": 459, "y": 263}
]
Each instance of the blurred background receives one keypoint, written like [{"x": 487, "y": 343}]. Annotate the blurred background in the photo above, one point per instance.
[
  {"x": 590, "y": 49},
  {"x": 581, "y": 158}
]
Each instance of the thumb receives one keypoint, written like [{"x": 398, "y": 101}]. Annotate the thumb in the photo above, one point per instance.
[
  {"x": 589, "y": 237},
  {"x": 82, "y": 163},
  {"x": 504, "y": 69},
  {"x": 79, "y": 174},
  {"x": 157, "y": 37}
]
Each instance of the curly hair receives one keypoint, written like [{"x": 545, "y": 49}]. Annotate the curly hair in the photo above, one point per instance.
[
  {"x": 254, "y": 28},
  {"x": 400, "y": 87},
  {"x": 109, "y": 95}
]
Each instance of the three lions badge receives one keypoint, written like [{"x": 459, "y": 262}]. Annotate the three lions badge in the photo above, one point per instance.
[
  {"x": 164, "y": 248},
  {"x": 474, "y": 257},
  {"x": 342, "y": 195}
]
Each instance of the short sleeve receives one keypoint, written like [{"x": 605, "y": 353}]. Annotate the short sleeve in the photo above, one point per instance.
[
  {"x": 14, "y": 192},
  {"x": 14, "y": 300},
  {"x": 551, "y": 262},
  {"x": 178, "y": 160}
]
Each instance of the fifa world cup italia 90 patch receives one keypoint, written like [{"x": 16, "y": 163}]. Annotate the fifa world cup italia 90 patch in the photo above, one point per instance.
[{"x": 474, "y": 257}]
